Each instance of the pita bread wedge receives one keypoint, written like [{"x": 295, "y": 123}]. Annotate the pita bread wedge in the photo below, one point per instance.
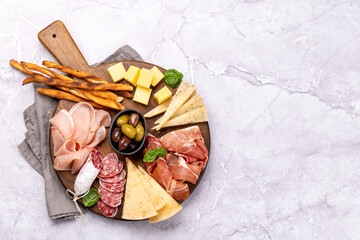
[
  {"x": 159, "y": 109},
  {"x": 192, "y": 104},
  {"x": 195, "y": 116},
  {"x": 183, "y": 93}
]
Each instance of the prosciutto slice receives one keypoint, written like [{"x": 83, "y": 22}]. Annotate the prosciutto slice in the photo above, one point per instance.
[
  {"x": 186, "y": 158},
  {"x": 188, "y": 142},
  {"x": 182, "y": 171},
  {"x": 75, "y": 133},
  {"x": 178, "y": 190}
]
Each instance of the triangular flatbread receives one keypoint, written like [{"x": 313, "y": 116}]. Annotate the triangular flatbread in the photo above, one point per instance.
[
  {"x": 192, "y": 104},
  {"x": 195, "y": 116},
  {"x": 183, "y": 93}
]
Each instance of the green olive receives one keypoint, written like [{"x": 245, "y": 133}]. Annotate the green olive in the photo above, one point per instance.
[
  {"x": 124, "y": 119},
  {"x": 139, "y": 133},
  {"x": 128, "y": 131}
]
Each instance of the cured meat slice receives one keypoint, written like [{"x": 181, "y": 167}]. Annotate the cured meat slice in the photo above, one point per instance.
[
  {"x": 162, "y": 174},
  {"x": 178, "y": 190},
  {"x": 69, "y": 146},
  {"x": 188, "y": 141},
  {"x": 80, "y": 159},
  {"x": 99, "y": 136},
  {"x": 102, "y": 118},
  {"x": 106, "y": 210},
  {"x": 110, "y": 164},
  {"x": 96, "y": 157},
  {"x": 58, "y": 139},
  {"x": 83, "y": 116},
  {"x": 181, "y": 170},
  {"x": 110, "y": 198},
  {"x": 63, "y": 122},
  {"x": 66, "y": 162},
  {"x": 115, "y": 179},
  {"x": 113, "y": 187}
]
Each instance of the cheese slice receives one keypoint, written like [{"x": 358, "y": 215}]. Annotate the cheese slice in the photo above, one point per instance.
[
  {"x": 132, "y": 75},
  {"x": 117, "y": 72},
  {"x": 142, "y": 95},
  {"x": 158, "y": 75},
  {"x": 195, "y": 116},
  {"x": 137, "y": 204},
  {"x": 159, "y": 109},
  {"x": 145, "y": 78},
  {"x": 155, "y": 198},
  {"x": 171, "y": 208},
  {"x": 192, "y": 104},
  {"x": 162, "y": 95},
  {"x": 183, "y": 93}
]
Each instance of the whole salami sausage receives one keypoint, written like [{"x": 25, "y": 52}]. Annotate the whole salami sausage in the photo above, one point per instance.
[{"x": 88, "y": 172}]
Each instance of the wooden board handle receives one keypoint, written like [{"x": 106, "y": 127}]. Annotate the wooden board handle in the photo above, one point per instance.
[{"x": 61, "y": 45}]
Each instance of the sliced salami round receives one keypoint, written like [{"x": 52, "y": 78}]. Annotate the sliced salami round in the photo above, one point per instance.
[
  {"x": 110, "y": 198},
  {"x": 113, "y": 187},
  {"x": 106, "y": 210},
  {"x": 96, "y": 157},
  {"x": 116, "y": 172},
  {"x": 115, "y": 179},
  {"x": 110, "y": 164}
]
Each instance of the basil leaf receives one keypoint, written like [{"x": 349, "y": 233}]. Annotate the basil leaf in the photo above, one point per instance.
[
  {"x": 150, "y": 156},
  {"x": 173, "y": 78},
  {"x": 161, "y": 152},
  {"x": 91, "y": 197}
]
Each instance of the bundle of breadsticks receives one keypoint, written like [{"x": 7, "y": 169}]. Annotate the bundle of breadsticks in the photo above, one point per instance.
[{"x": 94, "y": 90}]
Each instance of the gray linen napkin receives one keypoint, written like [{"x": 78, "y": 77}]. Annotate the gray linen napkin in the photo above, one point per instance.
[{"x": 35, "y": 146}]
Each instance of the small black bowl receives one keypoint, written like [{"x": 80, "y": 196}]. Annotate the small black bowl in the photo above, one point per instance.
[{"x": 115, "y": 145}]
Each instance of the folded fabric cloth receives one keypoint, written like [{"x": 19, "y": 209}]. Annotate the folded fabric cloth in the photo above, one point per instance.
[{"x": 35, "y": 146}]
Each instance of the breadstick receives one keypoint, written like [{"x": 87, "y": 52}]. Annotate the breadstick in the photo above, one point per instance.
[
  {"x": 77, "y": 73},
  {"x": 102, "y": 101},
  {"x": 67, "y": 96},
  {"x": 81, "y": 85}
]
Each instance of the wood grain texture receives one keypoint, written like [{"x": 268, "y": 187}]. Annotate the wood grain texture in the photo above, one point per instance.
[{"x": 67, "y": 53}]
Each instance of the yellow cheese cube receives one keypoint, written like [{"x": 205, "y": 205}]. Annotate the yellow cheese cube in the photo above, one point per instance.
[
  {"x": 158, "y": 75},
  {"x": 162, "y": 95},
  {"x": 145, "y": 78},
  {"x": 132, "y": 75},
  {"x": 142, "y": 95},
  {"x": 117, "y": 72}
]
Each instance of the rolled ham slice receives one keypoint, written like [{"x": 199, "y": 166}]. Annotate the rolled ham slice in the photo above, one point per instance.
[
  {"x": 58, "y": 139},
  {"x": 71, "y": 161},
  {"x": 83, "y": 115},
  {"x": 63, "y": 122},
  {"x": 102, "y": 118},
  {"x": 69, "y": 146},
  {"x": 75, "y": 133}
]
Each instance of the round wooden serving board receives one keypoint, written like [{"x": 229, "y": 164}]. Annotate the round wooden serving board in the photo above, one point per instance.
[{"x": 58, "y": 41}]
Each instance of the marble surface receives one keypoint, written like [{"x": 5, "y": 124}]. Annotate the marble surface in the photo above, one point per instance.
[{"x": 280, "y": 80}]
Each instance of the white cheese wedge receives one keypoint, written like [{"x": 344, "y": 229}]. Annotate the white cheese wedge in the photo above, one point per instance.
[
  {"x": 171, "y": 208},
  {"x": 137, "y": 204}
]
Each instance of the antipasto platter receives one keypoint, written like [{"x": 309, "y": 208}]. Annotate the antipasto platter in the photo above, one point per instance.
[{"x": 129, "y": 140}]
